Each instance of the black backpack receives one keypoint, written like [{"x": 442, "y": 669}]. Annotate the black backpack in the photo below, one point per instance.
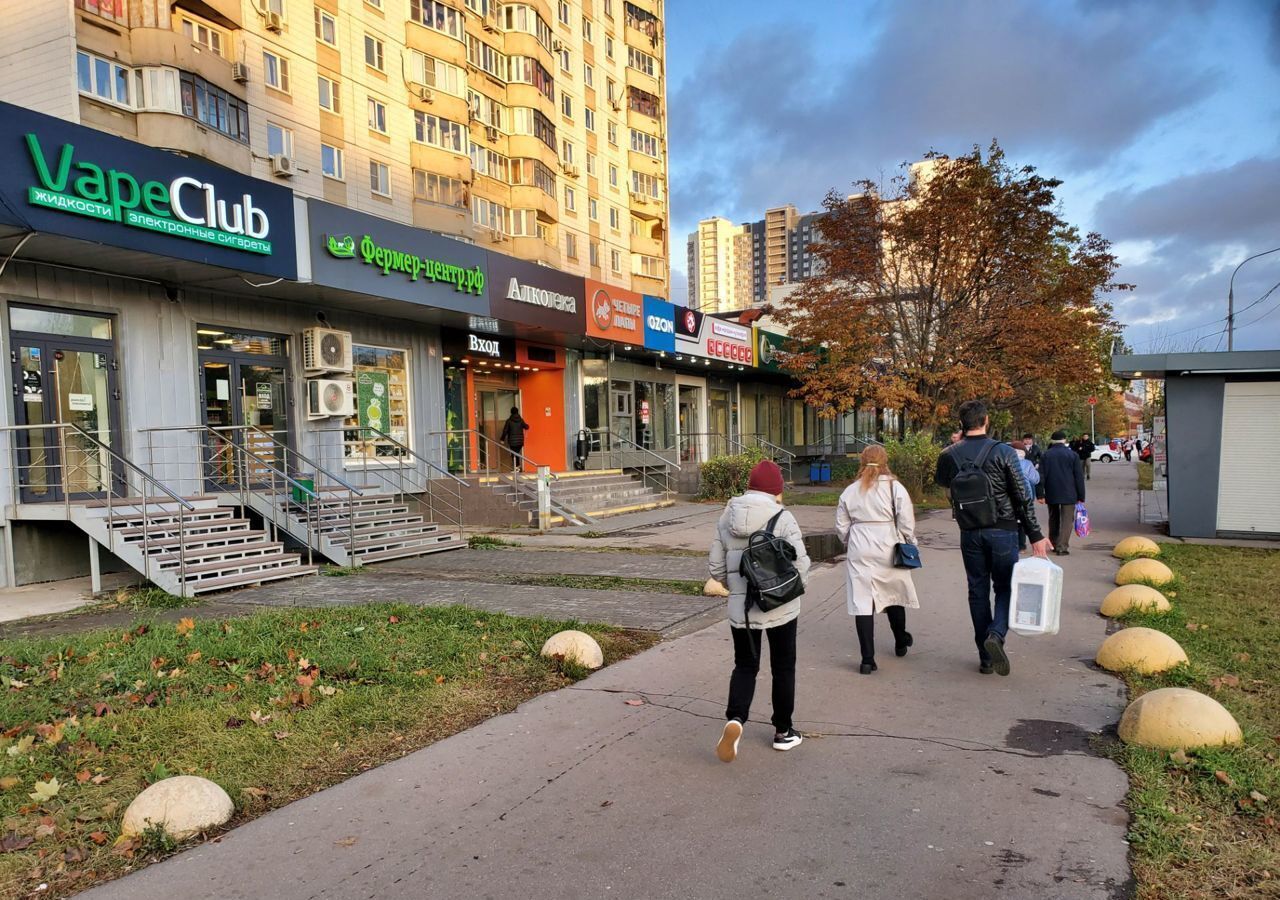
[
  {"x": 972, "y": 501},
  {"x": 768, "y": 565}
]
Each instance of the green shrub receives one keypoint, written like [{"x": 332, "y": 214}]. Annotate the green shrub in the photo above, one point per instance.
[
  {"x": 727, "y": 476},
  {"x": 844, "y": 469},
  {"x": 914, "y": 460}
]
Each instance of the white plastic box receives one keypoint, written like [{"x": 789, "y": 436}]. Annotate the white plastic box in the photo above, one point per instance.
[{"x": 1036, "y": 605}]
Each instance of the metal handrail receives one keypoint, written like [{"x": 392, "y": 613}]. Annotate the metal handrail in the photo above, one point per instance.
[
  {"x": 771, "y": 447},
  {"x": 661, "y": 459},
  {"x": 515, "y": 454},
  {"x": 271, "y": 436},
  {"x": 217, "y": 430},
  {"x": 382, "y": 435}
]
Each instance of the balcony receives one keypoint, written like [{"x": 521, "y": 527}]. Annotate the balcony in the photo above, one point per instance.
[
  {"x": 647, "y": 83},
  {"x": 527, "y": 196},
  {"x": 177, "y": 132},
  {"x": 162, "y": 47},
  {"x": 534, "y": 249}
]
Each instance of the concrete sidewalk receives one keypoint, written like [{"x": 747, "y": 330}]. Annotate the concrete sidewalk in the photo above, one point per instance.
[{"x": 924, "y": 780}]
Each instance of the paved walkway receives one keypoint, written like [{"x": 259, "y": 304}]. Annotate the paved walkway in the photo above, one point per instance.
[{"x": 925, "y": 780}]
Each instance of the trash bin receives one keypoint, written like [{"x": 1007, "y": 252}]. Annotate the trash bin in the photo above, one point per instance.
[
  {"x": 826, "y": 473},
  {"x": 299, "y": 495},
  {"x": 819, "y": 472}
]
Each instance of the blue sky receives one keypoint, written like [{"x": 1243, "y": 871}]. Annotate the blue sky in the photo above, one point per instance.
[{"x": 1162, "y": 119}]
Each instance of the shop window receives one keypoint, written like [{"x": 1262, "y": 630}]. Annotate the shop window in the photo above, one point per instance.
[{"x": 381, "y": 376}]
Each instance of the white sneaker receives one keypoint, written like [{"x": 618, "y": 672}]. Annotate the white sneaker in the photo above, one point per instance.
[
  {"x": 727, "y": 749},
  {"x": 787, "y": 741}
]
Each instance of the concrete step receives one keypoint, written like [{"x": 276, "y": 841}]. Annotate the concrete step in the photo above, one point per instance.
[
  {"x": 249, "y": 578},
  {"x": 213, "y": 554},
  {"x": 171, "y": 530},
  {"x": 236, "y": 566},
  {"x": 400, "y": 553}
]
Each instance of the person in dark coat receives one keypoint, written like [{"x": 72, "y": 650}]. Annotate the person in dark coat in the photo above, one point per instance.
[
  {"x": 1084, "y": 448},
  {"x": 1034, "y": 453},
  {"x": 513, "y": 431},
  {"x": 1062, "y": 478}
]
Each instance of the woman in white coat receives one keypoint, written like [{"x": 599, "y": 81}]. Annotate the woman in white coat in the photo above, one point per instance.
[{"x": 868, "y": 528}]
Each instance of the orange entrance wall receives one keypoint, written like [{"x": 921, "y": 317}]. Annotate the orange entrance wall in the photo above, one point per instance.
[{"x": 542, "y": 406}]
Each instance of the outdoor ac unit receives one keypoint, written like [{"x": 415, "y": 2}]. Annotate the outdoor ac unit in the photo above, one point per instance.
[
  {"x": 557, "y": 45},
  {"x": 617, "y": 105},
  {"x": 275, "y": 23},
  {"x": 496, "y": 236},
  {"x": 574, "y": 171},
  {"x": 424, "y": 93},
  {"x": 638, "y": 197},
  {"x": 325, "y": 350},
  {"x": 240, "y": 72},
  {"x": 283, "y": 166},
  {"x": 328, "y": 397},
  {"x": 491, "y": 132}
]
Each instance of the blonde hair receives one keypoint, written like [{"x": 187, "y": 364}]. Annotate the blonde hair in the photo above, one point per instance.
[{"x": 874, "y": 465}]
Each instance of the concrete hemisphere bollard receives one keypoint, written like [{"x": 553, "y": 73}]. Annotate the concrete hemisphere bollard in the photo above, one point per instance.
[
  {"x": 575, "y": 646},
  {"x": 1173, "y": 718},
  {"x": 183, "y": 806},
  {"x": 1133, "y": 596},
  {"x": 1136, "y": 545},
  {"x": 1139, "y": 571},
  {"x": 1143, "y": 650}
]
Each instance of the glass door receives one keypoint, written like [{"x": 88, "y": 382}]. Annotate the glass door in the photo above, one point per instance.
[
  {"x": 493, "y": 406},
  {"x": 245, "y": 391},
  {"x": 690, "y": 426}
]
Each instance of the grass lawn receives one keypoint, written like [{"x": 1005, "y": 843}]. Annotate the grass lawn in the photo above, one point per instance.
[
  {"x": 272, "y": 707},
  {"x": 1146, "y": 471},
  {"x": 1207, "y": 824}
]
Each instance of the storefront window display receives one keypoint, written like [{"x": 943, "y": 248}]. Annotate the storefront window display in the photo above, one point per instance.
[
  {"x": 631, "y": 402},
  {"x": 381, "y": 378}
]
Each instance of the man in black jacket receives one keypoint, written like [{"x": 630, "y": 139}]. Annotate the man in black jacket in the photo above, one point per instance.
[
  {"x": 513, "y": 430},
  {"x": 1034, "y": 453},
  {"x": 990, "y": 551},
  {"x": 1062, "y": 477},
  {"x": 1084, "y": 448}
]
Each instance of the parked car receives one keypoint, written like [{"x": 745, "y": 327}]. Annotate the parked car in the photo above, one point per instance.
[{"x": 1105, "y": 453}]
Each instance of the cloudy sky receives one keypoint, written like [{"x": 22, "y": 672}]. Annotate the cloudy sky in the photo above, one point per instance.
[{"x": 1162, "y": 117}]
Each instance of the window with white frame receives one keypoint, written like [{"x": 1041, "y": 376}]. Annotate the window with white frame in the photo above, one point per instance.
[
  {"x": 275, "y": 6},
  {"x": 611, "y": 89},
  {"x": 279, "y": 140},
  {"x": 591, "y": 163},
  {"x": 485, "y": 58},
  {"x": 613, "y": 175},
  {"x": 642, "y": 142},
  {"x": 489, "y": 162},
  {"x": 527, "y": 70},
  {"x": 374, "y": 53},
  {"x": 437, "y": 16},
  {"x": 326, "y": 27},
  {"x": 588, "y": 75},
  {"x": 381, "y": 374},
  {"x": 487, "y": 214},
  {"x": 608, "y": 46},
  {"x": 488, "y": 111},
  {"x": 156, "y": 88},
  {"x": 586, "y": 30},
  {"x": 439, "y": 132},
  {"x": 646, "y": 184},
  {"x": 564, "y": 12},
  {"x": 327, "y": 90},
  {"x": 593, "y": 253},
  {"x": 566, "y": 152},
  {"x": 642, "y": 62},
  {"x": 522, "y": 17},
  {"x": 275, "y": 71},
  {"x": 435, "y": 188},
  {"x": 566, "y": 105},
  {"x": 379, "y": 178},
  {"x": 615, "y": 260},
  {"x": 648, "y": 266},
  {"x": 203, "y": 35},
  {"x": 331, "y": 162},
  {"x": 570, "y": 244},
  {"x": 566, "y": 61},
  {"x": 613, "y": 218},
  {"x": 534, "y": 172},
  {"x": 438, "y": 74},
  {"x": 103, "y": 79},
  {"x": 570, "y": 199},
  {"x": 377, "y": 116},
  {"x": 613, "y": 133},
  {"x": 593, "y": 209},
  {"x": 608, "y": 8},
  {"x": 525, "y": 120}
]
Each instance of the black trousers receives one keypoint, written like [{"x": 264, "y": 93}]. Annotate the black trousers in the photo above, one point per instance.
[
  {"x": 1062, "y": 522},
  {"x": 746, "y": 666},
  {"x": 866, "y": 627}
]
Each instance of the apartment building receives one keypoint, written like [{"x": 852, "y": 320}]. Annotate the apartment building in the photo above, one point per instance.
[
  {"x": 735, "y": 266},
  {"x": 538, "y": 128}
]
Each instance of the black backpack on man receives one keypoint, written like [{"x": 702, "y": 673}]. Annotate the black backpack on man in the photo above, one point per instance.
[{"x": 972, "y": 502}]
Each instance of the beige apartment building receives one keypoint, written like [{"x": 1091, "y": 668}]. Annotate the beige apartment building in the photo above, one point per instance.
[
  {"x": 535, "y": 128},
  {"x": 732, "y": 266}
]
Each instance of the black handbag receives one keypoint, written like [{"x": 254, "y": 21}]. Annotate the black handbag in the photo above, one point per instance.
[{"x": 905, "y": 555}]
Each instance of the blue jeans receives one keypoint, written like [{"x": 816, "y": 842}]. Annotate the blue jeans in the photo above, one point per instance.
[{"x": 989, "y": 555}]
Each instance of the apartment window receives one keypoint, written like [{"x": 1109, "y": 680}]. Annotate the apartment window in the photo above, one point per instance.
[
  {"x": 531, "y": 121},
  {"x": 438, "y": 74},
  {"x": 489, "y": 162},
  {"x": 374, "y": 53},
  {"x": 565, "y": 61},
  {"x": 329, "y": 96},
  {"x": 486, "y": 58},
  {"x": 593, "y": 253},
  {"x": 644, "y": 143},
  {"x": 564, "y": 12},
  {"x": 102, "y": 79},
  {"x": 156, "y": 88},
  {"x": 202, "y": 35},
  {"x": 642, "y": 62},
  {"x": 566, "y": 152},
  {"x": 570, "y": 199},
  {"x": 638, "y": 229},
  {"x": 566, "y": 105},
  {"x": 613, "y": 133},
  {"x": 588, "y": 75},
  {"x": 326, "y": 28},
  {"x": 279, "y": 140},
  {"x": 522, "y": 17},
  {"x": 593, "y": 209},
  {"x": 608, "y": 46},
  {"x": 442, "y": 189},
  {"x": 613, "y": 218},
  {"x": 376, "y": 4},
  {"x": 591, "y": 164},
  {"x": 589, "y": 118},
  {"x": 379, "y": 178},
  {"x": 275, "y": 6},
  {"x": 275, "y": 71},
  {"x": 487, "y": 110},
  {"x": 611, "y": 90},
  {"x": 438, "y": 132},
  {"x": 437, "y": 16},
  {"x": 570, "y": 245},
  {"x": 613, "y": 175},
  {"x": 116, "y": 10},
  {"x": 586, "y": 30},
  {"x": 487, "y": 214},
  {"x": 377, "y": 116},
  {"x": 533, "y": 172},
  {"x": 615, "y": 260},
  {"x": 642, "y": 20},
  {"x": 527, "y": 70},
  {"x": 648, "y": 266},
  {"x": 608, "y": 8},
  {"x": 524, "y": 223},
  {"x": 214, "y": 107},
  {"x": 644, "y": 102},
  {"x": 331, "y": 162}
]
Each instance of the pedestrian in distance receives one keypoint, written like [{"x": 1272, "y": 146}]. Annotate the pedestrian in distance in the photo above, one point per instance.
[
  {"x": 1032, "y": 476},
  {"x": 1084, "y": 449},
  {"x": 744, "y": 515},
  {"x": 1034, "y": 453},
  {"x": 875, "y": 514},
  {"x": 512, "y": 435},
  {"x": 989, "y": 500},
  {"x": 1063, "y": 477},
  {"x": 1127, "y": 447}
]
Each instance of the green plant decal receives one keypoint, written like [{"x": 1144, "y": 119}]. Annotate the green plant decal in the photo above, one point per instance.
[{"x": 343, "y": 248}]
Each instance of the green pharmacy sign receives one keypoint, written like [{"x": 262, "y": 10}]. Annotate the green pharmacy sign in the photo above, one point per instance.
[
  {"x": 414, "y": 266},
  {"x": 185, "y": 207}
]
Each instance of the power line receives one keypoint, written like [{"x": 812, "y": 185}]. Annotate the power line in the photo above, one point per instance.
[{"x": 1217, "y": 321}]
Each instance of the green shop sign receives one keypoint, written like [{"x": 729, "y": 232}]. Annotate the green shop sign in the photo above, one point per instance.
[
  {"x": 184, "y": 207},
  {"x": 414, "y": 266}
]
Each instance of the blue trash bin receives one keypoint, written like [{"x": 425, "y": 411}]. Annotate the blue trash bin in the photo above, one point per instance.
[
  {"x": 826, "y": 473},
  {"x": 815, "y": 473}
]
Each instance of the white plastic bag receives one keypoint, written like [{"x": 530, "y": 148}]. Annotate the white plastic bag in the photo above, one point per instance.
[{"x": 1036, "y": 605}]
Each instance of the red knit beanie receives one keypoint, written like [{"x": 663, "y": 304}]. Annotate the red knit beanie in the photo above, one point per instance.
[{"x": 766, "y": 477}]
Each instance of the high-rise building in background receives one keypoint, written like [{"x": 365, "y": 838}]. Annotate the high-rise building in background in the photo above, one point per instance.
[
  {"x": 537, "y": 128},
  {"x": 735, "y": 266}
]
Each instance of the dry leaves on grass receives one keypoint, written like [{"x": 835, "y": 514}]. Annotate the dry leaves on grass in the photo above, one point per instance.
[{"x": 186, "y": 625}]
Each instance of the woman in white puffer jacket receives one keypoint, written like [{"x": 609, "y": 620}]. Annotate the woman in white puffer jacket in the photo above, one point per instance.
[{"x": 742, "y": 516}]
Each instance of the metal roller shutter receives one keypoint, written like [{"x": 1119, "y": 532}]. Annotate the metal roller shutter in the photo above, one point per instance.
[{"x": 1249, "y": 464}]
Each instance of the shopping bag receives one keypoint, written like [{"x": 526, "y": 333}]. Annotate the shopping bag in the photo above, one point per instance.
[{"x": 1083, "y": 528}]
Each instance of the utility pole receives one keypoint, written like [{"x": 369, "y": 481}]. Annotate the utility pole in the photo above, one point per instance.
[{"x": 1231, "y": 298}]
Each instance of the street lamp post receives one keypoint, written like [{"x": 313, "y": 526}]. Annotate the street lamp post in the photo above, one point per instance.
[{"x": 1231, "y": 299}]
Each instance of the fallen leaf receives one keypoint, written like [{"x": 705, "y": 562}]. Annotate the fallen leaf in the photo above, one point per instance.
[
  {"x": 15, "y": 684},
  {"x": 439, "y": 679},
  {"x": 23, "y": 746},
  {"x": 13, "y": 842},
  {"x": 254, "y": 792},
  {"x": 1224, "y": 778},
  {"x": 83, "y": 775},
  {"x": 422, "y": 672},
  {"x": 1258, "y": 796},
  {"x": 98, "y": 837},
  {"x": 186, "y": 625},
  {"x": 347, "y": 841},
  {"x": 1224, "y": 681},
  {"x": 304, "y": 664},
  {"x": 634, "y": 702},
  {"x": 259, "y": 718},
  {"x": 100, "y": 779},
  {"x": 281, "y": 735},
  {"x": 45, "y": 790},
  {"x": 233, "y": 722},
  {"x": 44, "y": 831},
  {"x": 1180, "y": 757},
  {"x": 9, "y": 782},
  {"x": 1242, "y": 657},
  {"x": 305, "y": 680},
  {"x": 101, "y": 709},
  {"x": 326, "y": 690},
  {"x": 394, "y": 620}
]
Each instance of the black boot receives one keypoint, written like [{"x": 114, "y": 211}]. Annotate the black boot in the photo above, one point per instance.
[
  {"x": 866, "y": 627},
  {"x": 902, "y": 638}
]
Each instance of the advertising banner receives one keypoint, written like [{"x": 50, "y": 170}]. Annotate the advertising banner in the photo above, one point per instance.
[
  {"x": 659, "y": 325},
  {"x": 371, "y": 400},
  {"x": 768, "y": 343},
  {"x": 368, "y": 255},
  {"x": 459, "y": 345},
  {"x": 707, "y": 337},
  {"x": 535, "y": 295},
  {"x": 65, "y": 179},
  {"x": 615, "y": 314}
]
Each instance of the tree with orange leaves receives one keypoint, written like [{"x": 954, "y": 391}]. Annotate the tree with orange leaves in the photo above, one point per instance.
[{"x": 964, "y": 282}]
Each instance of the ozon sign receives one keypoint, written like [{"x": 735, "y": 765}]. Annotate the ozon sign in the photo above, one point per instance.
[{"x": 184, "y": 207}]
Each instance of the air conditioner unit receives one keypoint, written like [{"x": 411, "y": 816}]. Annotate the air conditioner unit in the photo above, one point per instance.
[
  {"x": 327, "y": 397},
  {"x": 557, "y": 45},
  {"x": 573, "y": 171},
  {"x": 491, "y": 132},
  {"x": 325, "y": 350},
  {"x": 240, "y": 72},
  {"x": 638, "y": 197},
  {"x": 274, "y": 21},
  {"x": 283, "y": 166},
  {"x": 616, "y": 104},
  {"x": 496, "y": 236},
  {"x": 424, "y": 93}
]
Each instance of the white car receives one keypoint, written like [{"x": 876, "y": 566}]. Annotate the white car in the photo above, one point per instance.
[{"x": 1106, "y": 454}]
